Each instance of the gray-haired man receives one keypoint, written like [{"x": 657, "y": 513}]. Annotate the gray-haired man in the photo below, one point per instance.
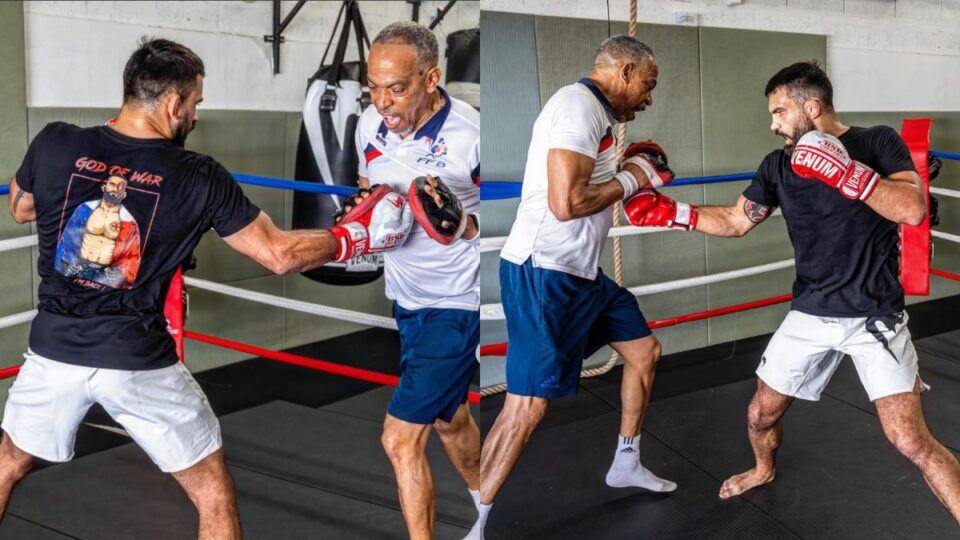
[{"x": 559, "y": 306}]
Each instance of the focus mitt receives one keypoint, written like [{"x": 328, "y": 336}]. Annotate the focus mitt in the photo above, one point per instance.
[{"x": 444, "y": 222}]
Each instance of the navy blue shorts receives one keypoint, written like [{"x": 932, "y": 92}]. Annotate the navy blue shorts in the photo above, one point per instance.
[
  {"x": 438, "y": 360},
  {"x": 555, "y": 320}
]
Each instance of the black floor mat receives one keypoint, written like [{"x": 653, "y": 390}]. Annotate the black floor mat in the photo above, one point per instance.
[
  {"x": 838, "y": 477},
  {"x": 557, "y": 491},
  {"x": 334, "y": 452},
  {"x": 299, "y": 472}
]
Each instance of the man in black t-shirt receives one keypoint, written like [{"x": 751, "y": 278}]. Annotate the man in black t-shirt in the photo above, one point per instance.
[
  {"x": 843, "y": 191},
  {"x": 118, "y": 210}
]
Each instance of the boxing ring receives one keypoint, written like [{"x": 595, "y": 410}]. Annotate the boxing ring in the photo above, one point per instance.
[
  {"x": 837, "y": 476},
  {"x": 307, "y": 463},
  {"x": 290, "y": 460}
]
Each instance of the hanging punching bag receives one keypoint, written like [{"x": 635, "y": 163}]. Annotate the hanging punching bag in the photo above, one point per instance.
[
  {"x": 326, "y": 151},
  {"x": 463, "y": 66}
]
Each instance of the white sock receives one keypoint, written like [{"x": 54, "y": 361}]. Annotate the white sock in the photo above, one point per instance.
[
  {"x": 475, "y": 494},
  {"x": 626, "y": 470},
  {"x": 476, "y": 533},
  {"x": 628, "y": 449}
]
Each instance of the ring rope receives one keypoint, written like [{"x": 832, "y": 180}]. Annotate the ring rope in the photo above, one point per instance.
[
  {"x": 500, "y": 349},
  {"x": 19, "y": 242},
  {"x": 17, "y": 318},
  {"x": 495, "y": 243},
  {"x": 304, "y": 361},
  {"x": 493, "y": 312},
  {"x": 945, "y": 192},
  {"x": 291, "y": 304},
  {"x": 945, "y": 236}
]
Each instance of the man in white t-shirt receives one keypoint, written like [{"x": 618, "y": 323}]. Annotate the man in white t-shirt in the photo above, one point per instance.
[
  {"x": 413, "y": 130},
  {"x": 559, "y": 306}
]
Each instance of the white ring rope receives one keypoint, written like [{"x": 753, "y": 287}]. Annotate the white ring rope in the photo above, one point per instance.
[
  {"x": 945, "y": 236},
  {"x": 487, "y": 311},
  {"x": 494, "y": 243},
  {"x": 945, "y": 192},
  {"x": 18, "y": 243},
  {"x": 17, "y": 318},
  {"x": 708, "y": 279},
  {"x": 295, "y": 305},
  {"x": 493, "y": 312}
]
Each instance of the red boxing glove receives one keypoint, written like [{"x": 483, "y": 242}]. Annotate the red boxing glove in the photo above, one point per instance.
[
  {"x": 649, "y": 208},
  {"x": 651, "y": 159},
  {"x": 379, "y": 222},
  {"x": 824, "y": 157}
]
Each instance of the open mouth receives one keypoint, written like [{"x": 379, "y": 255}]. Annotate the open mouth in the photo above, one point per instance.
[{"x": 391, "y": 121}]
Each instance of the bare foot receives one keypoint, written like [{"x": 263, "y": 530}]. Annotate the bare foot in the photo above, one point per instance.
[{"x": 737, "y": 484}]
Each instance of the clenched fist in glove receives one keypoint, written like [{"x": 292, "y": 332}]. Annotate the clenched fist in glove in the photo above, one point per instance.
[
  {"x": 372, "y": 220},
  {"x": 821, "y": 156},
  {"x": 649, "y": 208},
  {"x": 651, "y": 159}
]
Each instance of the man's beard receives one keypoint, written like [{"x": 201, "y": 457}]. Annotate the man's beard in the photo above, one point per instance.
[
  {"x": 802, "y": 128},
  {"x": 114, "y": 197},
  {"x": 184, "y": 127}
]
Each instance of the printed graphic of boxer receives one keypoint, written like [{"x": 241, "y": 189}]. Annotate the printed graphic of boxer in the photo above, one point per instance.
[{"x": 101, "y": 242}]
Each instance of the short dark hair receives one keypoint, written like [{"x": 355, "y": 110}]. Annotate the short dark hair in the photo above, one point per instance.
[
  {"x": 417, "y": 36},
  {"x": 802, "y": 81},
  {"x": 157, "y": 67}
]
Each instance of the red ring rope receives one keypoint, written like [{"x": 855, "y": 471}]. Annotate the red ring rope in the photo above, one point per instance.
[
  {"x": 500, "y": 349},
  {"x": 303, "y": 361},
  {"x": 944, "y": 274},
  {"x": 8, "y": 372}
]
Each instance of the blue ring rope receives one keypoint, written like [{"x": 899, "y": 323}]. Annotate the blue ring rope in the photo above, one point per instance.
[
  {"x": 489, "y": 191},
  {"x": 492, "y": 191},
  {"x": 945, "y": 155},
  {"x": 295, "y": 185}
]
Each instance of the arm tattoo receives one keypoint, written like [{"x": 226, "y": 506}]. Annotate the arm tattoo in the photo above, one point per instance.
[
  {"x": 16, "y": 200},
  {"x": 755, "y": 212}
]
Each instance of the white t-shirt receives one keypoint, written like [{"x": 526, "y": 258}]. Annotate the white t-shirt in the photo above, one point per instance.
[
  {"x": 424, "y": 273},
  {"x": 579, "y": 118}
]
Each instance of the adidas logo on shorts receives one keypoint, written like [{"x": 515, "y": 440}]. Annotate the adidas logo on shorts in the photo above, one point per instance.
[{"x": 550, "y": 382}]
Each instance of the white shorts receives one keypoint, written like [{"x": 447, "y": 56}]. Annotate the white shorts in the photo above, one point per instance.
[
  {"x": 163, "y": 410},
  {"x": 806, "y": 350}
]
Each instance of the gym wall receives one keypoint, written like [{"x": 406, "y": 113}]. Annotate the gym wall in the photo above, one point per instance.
[
  {"x": 709, "y": 113},
  {"x": 64, "y": 62}
]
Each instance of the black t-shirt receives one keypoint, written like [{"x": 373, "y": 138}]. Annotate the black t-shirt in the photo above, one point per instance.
[
  {"x": 847, "y": 260},
  {"x": 116, "y": 217}
]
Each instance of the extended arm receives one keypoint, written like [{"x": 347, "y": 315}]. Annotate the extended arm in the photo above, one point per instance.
[
  {"x": 570, "y": 195},
  {"x": 283, "y": 251},
  {"x": 20, "y": 203},
  {"x": 736, "y": 220}
]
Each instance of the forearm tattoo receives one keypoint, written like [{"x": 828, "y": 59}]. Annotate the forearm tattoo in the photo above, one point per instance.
[
  {"x": 16, "y": 200},
  {"x": 755, "y": 212}
]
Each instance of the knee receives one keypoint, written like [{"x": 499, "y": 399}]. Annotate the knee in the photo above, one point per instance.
[
  {"x": 395, "y": 444},
  {"x": 216, "y": 495},
  {"x": 648, "y": 356},
  {"x": 451, "y": 428},
  {"x": 16, "y": 464},
  {"x": 14, "y": 471},
  {"x": 758, "y": 419},
  {"x": 911, "y": 445},
  {"x": 528, "y": 414}
]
